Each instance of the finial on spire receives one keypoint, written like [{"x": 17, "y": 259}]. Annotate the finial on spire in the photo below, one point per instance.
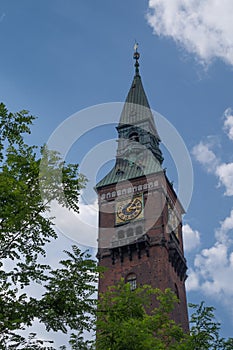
[{"x": 136, "y": 56}]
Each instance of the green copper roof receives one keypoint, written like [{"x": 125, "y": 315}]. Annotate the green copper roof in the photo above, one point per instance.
[
  {"x": 136, "y": 108},
  {"x": 143, "y": 157},
  {"x": 136, "y": 93},
  {"x": 126, "y": 170}
]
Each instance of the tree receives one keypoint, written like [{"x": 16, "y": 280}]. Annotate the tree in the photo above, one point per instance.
[
  {"x": 30, "y": 179},
  {"x": 205, "y": 330},
  {"x": 123, "y": 324}
]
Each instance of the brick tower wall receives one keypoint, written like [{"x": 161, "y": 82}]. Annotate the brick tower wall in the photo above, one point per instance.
[{"x": 158, "y": 258}]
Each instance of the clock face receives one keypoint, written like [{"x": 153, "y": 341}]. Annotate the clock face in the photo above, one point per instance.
[
  {"x": 173, "y": 220},
  {"x": 129, "y": 209}
]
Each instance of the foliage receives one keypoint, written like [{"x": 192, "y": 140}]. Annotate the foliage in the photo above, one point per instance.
[
  {"x": 123, "y": 323},
  {"x": 204, "y": 333},
  {"x": 30, "y": 179}
]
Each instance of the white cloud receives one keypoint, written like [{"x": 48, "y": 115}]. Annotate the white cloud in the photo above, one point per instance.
[
  {"x": 202, "y": 27},
  {"x": 191, "y": 238},
  {"x": 205, "y": 156},
  {"x": 226, "y": 227},
  {"x": 81, "y": 227},
  {"x": 228, "y": 123},
  {"x": 192, "y": 282},
  {"x": 213, "y": 267},
  {"x": 223, "y": 171},
  {"x": 225, "y": 174}
]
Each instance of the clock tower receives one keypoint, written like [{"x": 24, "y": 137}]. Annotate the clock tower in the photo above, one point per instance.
[{"x": 140, "y": 216}]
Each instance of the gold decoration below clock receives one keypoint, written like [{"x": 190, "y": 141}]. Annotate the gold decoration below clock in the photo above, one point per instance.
[{"x": 129, "y": 209}]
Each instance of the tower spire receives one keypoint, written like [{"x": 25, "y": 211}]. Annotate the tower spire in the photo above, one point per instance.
[
  {"x": 140, "y": 216},
  {"x": 136, "y": 56}
]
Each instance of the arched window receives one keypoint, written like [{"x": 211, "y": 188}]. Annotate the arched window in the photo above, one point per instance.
[
  {"x": 121, "y": 234},
  {"x": 119, "y": 172},
  {"x": 130, "y": 232},
  {"x": 139, "y": 230},
  {"x": 134, "y": 137},
  {"x": 177, "y": 291},
  {"x": 132, "y": 280}
]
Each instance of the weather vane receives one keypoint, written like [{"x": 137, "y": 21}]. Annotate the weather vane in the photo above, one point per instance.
[{"x": 136, "y": 53}]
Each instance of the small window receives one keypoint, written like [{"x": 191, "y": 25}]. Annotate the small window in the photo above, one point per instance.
[
  {"x": 121, "y": 234},
  {"x": 134, "y": 137},
  {"x": 119, "y": 172},
  {"x": 129, "y": 190},
  {"x": 132, "y": 280},
  {"x": 129, "y": 232},
  {"x": 139, "y": 230}
]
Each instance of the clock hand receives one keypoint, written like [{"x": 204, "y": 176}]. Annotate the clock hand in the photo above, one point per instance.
[{"x": 130, "y": 207}]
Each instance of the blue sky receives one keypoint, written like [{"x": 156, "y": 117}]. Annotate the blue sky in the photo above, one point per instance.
[{"x": 59, "y": 57}]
